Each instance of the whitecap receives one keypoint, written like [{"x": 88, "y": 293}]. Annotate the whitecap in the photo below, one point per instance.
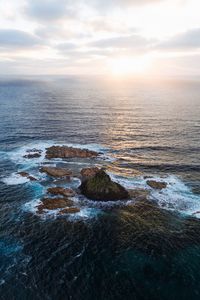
[
  {"x": 93, "y": 204},
  {"x": 14, "y": 179},
  {"x": 2, "y": 281},
  {"x": 17, "y": 155},
  {"x": 177, "y": 196},
  {"x": 32, "y": 205},
  {"x": 135, "y": 182},
  {"x": 85, "y": 213}
]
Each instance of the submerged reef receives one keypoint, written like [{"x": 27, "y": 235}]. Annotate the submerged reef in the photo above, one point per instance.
[{"x": 144, "y": 226}]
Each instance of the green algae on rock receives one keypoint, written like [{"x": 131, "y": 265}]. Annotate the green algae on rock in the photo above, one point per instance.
[{"x": 100, "y": 187}]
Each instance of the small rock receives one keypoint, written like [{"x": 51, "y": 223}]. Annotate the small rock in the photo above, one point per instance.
[
  {"x": 33, "y": 150},
  {"x": 32, "y": 155},
  {"x": 157, "y": 185},
  {"x": 25, "y": 174},
  {"x": 69, "y": 210},
  {"x": 147, "y": 177},
  {"x": 61, "y": 191},
  {"x": 89, "y": 172},
  {"x": 54, "y": 203},
  {"x": 56, "y": 172},
  {"x": 196, "y": 213},
  {"x": 69, "y": 152}
]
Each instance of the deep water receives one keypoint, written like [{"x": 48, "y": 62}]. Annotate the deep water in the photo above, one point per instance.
[{"x": 114, "y": 250}]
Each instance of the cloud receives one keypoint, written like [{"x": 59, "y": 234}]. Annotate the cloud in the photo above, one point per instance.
[
  {"x": 134, "y": 41},
  {"x": 66, "y": 46},
  {"x": 10, "y": 38},
  {"x": 52, "y": 10},
  {"x": 48, "y": 10},
  {"x": 186, "y": 65},
  {"x": 69, "y": 33},
  {"x": 103, "y": 24},
  {"x": 106, "y": 3},
  {"x": 22, "y": 66},
  {"x": 105, "y": 7},
  {"x": 183, "y": 41}
]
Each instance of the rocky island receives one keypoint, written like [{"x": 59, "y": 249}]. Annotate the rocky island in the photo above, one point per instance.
[{"x": 101, "y": 187}]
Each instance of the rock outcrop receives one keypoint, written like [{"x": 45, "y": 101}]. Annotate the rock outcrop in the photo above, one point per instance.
[
  {"x": 101, "y": 188},
  {"x": 33, "y": 150},
  {"x": 69, "y": 152},
  {"x": 89, "y": 172},
  {"x": 139, "y": 194},
  {"x": 56, "y": 172},
  {"x": 156, "y": 184},
  {"x": 32, "y": 155},
  {"x": 27, "y": 175},
  {"x": 61, "y": 191},
  {"x": 69, "y": 210},
  {"x": 54, "y": 203}
]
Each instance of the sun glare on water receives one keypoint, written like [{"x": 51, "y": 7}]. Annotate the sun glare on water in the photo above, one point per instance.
[{"x": 130, "y": 66}]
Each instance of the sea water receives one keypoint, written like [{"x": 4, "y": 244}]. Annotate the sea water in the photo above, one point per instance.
[{"x": 143, "y": 130}]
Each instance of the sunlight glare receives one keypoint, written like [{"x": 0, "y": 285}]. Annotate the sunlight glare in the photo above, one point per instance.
[{"x": 129, "y": 65}]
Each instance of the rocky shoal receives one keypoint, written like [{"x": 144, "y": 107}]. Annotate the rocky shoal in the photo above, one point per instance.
[{"x": 95, "y": 185}]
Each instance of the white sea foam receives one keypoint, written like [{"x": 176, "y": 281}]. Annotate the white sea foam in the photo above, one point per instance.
[
  {"x": 17, "y": 155},
  {"x": 85, "y": 213},
  {"x": 177, "y": 196},
  {"x": 32, "y": 205},
  {"x": 14, "y": 179},
  {"x": 102, "y": 204},
  {"x": 2, "y": 281},
  {"x": 129, "y": 182}
]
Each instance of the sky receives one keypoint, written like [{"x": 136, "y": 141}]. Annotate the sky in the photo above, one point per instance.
[{"x": 100, "y": 37}]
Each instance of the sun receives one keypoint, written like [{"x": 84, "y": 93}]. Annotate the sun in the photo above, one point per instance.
[{"x": 130, "y": 65}]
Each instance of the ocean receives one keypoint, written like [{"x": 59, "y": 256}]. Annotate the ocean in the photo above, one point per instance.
[{"x": 109, "y": 250}]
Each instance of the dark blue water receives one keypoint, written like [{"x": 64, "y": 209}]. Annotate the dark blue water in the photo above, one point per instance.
[{"x": 110, "y": 251}]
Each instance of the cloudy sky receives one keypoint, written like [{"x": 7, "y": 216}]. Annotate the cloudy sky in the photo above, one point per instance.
[{"x": 111, "y": 37}]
